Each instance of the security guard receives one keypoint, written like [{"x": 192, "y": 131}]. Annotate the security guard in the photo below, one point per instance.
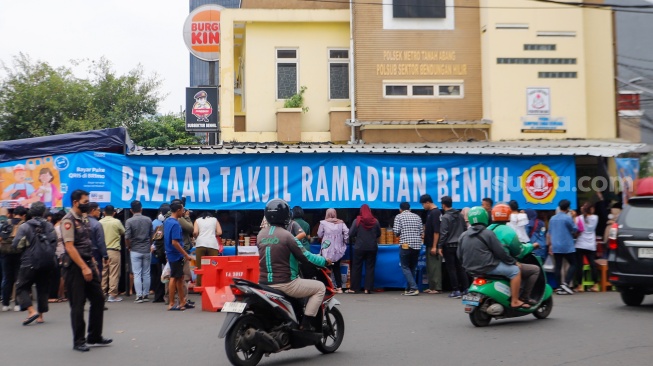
[{"x": 81, "y": 276}]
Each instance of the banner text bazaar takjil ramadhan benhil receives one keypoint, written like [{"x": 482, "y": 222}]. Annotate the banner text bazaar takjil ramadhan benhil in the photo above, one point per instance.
[{"x": 247, "y": 181}]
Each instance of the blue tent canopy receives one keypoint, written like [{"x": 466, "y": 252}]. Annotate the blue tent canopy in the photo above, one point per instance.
[{"x": 115, "y": 140}]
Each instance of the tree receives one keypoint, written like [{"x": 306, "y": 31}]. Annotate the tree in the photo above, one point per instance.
[
  {"x": 39, "y": 100},
  {"x": 162, "y": 131},
  {"x": 645, "y": 168}
]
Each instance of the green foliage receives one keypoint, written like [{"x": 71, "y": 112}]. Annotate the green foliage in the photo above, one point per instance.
[
  {"x": 162, "y": 131},
  {"x": 297, "y": 100},
  {"x": 645, "y": 167},
  {"x": 39, "y": 100}
]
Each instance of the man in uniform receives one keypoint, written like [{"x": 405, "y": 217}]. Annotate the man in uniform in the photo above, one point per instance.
[{"x": 81, "y": 276}]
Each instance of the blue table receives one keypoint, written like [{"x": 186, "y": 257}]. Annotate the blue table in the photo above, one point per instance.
[{"x": 387, "y": 273}]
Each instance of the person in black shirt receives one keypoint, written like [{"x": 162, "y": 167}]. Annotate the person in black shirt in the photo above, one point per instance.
[{"x": 431, "y": 238}]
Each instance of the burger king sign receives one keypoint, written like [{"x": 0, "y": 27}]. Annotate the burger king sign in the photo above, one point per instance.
[{"x": 202, "y": 32}]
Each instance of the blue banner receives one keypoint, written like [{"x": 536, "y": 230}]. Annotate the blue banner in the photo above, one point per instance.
[{"x": 247, "y": 181}]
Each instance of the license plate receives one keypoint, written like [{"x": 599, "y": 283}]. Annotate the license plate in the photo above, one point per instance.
[
  {"x": 233, "y": 307},
  {"x": 645, "y": 253},
  {"x": 472, "y": 300}
]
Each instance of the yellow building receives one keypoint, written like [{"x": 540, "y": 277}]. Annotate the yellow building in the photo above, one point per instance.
[
  {"x": 548, "y": 71},
  {"x": 460, "y": 70},
  {"x": 268, "y": 55}
]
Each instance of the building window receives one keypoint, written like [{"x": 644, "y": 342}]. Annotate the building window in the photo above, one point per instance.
[
  {"x": 423, "y": 89},
  {"x": 537, "y": 61},
  {"x": 557, "y": 75},
  {"x": 419, "y": 9},
  {"x": 339, "y": 74},
  {"x": 396, "y": 90},
  {"x": 287, "y": 74},
  {"x": 449, "y": 90},
  {"x": 539, "y": 47}
]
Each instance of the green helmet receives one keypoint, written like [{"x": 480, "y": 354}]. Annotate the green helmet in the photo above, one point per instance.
[{"x": 478, "y": 215}]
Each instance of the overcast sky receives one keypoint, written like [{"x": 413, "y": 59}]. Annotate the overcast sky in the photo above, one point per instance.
[{"x": 126, "y": 32}]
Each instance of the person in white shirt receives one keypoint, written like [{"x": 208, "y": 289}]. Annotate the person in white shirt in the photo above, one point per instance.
[
  {"x": 518, "y": 222},
  {"x": 586, "y": 246},
  {"x": 206, "y": 230}
]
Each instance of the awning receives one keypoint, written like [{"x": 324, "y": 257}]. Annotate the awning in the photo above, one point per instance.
[
  {"x": 115, "y": 140},
  {"x": 579, "y": 147}
]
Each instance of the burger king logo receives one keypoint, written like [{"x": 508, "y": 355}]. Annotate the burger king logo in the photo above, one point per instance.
[
  {"x": 202, "y": 32},
  {"x": 539, "y": 184}
]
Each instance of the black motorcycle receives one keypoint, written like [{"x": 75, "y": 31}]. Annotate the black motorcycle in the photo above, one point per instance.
[{"x": 263, "y": 320}]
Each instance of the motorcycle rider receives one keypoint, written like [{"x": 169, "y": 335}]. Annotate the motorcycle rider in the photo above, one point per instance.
[
  {"x": 279, "y": 256},
  {"x": 514, "y": 247},
  {"x": 481, "y": 252}
]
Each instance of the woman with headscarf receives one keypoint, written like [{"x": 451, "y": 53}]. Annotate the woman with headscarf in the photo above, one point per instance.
[
  {"x": 537, "y": 232},
  {"x": 365, "y": 233},
  {"x": 334, "y": 234}
]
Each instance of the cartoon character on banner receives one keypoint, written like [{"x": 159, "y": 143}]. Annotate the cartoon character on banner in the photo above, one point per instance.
[{"x": 21, "y": 190}]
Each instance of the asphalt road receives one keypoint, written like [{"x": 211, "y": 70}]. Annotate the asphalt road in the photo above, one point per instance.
[{"x": 381, "y": 329}]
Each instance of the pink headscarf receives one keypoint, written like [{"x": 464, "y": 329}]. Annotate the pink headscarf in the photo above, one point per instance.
[{"x": 331, "y": 216}]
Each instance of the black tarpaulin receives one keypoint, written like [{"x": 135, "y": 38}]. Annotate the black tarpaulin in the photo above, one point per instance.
[{"x": 115, "y": 140}]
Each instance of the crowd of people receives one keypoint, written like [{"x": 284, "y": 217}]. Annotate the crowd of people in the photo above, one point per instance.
[{"x": 87, "y": 243}]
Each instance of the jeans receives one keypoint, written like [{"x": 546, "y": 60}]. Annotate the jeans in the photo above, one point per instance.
[
  {"x": 10, "y": 267},
  {"x": 457, "y": 275},
  {"x": 505, "y": 270},
  {"x": 591, "y": 259},
  {"x": 571, "y": 271},
  {"x": 408, "y": 260},
  {"x": 141, "y": 269},
  {"x": 367, "y": 257},
  {"x": 28, "y": 276}
]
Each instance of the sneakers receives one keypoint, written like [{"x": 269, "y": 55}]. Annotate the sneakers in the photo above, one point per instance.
[
  {"x": 138, "y": 300},
  {"x": 5, "y": 308},
  {"x": 145, "y": 299},
  {"x": 16, "y": 308},
  {"x": 114, "y": 299},
  {"x": 566, "y": 288},
  {"x": 411, "y": 293},
  {"x": 189, "y": 302},
  {"x": 455, "y": 295}
]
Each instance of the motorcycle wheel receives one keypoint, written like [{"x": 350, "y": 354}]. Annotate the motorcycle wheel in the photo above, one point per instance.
[
  {"x": 333, "y": 331},
  {"x": 236, "y": 353},
  {"x": 545, "y": 309},
  {"x": 479, "y": 318}
]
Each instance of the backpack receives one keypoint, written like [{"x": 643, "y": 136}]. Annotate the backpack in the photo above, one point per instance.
[
  {"x": 159, "y": 245},
  {"x": 42, "y": 248},
  {"x": 7, "y": 234}
]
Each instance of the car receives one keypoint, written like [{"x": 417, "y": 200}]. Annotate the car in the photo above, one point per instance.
[{"x": 630, "y": 258}]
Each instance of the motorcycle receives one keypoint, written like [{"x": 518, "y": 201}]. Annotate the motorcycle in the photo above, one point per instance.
[
  {"x": 488, "y": 296},
  {"x": 263, "y": 320}
]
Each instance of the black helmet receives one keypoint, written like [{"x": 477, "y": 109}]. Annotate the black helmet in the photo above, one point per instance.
[{"x": 277, "y": 212}]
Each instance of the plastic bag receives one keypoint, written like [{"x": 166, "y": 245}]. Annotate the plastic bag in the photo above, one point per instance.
[
  {"x": 165, "y": 274},
  {"x": 548, "y": 264}
]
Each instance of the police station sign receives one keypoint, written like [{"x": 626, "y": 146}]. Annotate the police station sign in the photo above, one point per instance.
[
  {"x": 202, "y": 109},
  {"x": 202, "y": 32}
]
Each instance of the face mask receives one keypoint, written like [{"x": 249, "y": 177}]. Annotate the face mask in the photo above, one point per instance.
[
  {"x": 84, "y": 207},
  {"x": 161, "y": 217}
]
